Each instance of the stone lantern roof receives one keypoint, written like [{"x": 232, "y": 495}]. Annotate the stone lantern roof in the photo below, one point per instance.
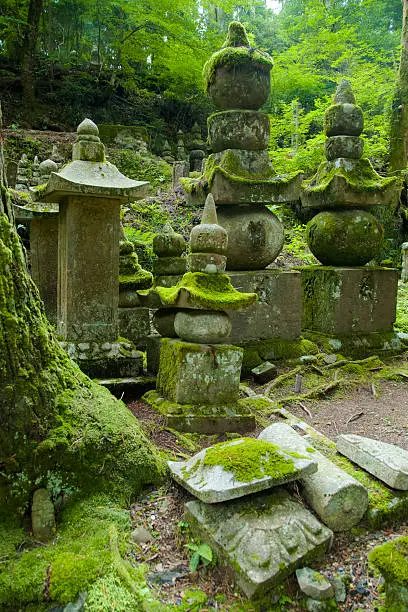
[{"x": 89, "y": 174}]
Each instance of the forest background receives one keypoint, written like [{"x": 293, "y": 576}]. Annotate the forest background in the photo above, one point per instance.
[{"x": 140, "y": 63}]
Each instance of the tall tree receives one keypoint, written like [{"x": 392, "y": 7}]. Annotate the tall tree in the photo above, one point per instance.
[
  {"x": 35, "y": 8},
  {"x": 399, "y": 112}
]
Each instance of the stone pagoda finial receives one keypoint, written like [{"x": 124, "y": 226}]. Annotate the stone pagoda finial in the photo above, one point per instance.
[
  {"x": 208, "y": 242},
  {"x": 88, "y": 146},
  {"x": 45, "y": 168},
  {"x": 345, "y": 233}
]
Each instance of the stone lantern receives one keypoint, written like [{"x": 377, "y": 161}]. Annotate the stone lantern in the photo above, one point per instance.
[{"x": 89, "y": 191}]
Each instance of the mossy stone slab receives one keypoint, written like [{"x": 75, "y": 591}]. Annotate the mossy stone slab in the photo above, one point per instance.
[
  {"x": 387, "y": 462},
  {"x": 235, "y": 190},
  {"x": 263, "y": 539},
  {"x": 250, "y": 466}
]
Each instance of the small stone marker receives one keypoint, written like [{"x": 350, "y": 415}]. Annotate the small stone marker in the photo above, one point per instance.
[
  {"x": 239, "y": 467},
  {"x": 387, "y": 462},
  {"x": 313, "y": 584},
  {"x": 42, "y": 516},
  {"x": 263, "y": 538},
  {"x": 404, "y": 271},
  {"x": 338, "y": 499},
  {"x": 264, "y": 372}
]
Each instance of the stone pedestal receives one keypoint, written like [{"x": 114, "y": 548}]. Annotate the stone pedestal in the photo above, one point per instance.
[
  {"x": 89, "y": 231},
  {"x": 107, "y": 359},
  {"x": 134, "y": 324},
  {"x": 354, "y": 307},
  {"x": 278, "y": 311},
  {"x": 198, "y": 387},
  {"x": 44, "y": 260}
]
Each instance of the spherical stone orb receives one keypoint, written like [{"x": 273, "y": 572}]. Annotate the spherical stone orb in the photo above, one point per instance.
[
  {"x": 202, "y": 326},
  {"x": 344, "y": 237},
  {"x": 255, "y": 236},
  {"x": 239, "y": 86}
]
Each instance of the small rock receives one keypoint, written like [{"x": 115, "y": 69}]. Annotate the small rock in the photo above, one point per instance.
[
  {"x": 42, "y": 516},
  {"x": 141, "y": 536},
  {"x": 164, "y": 506},
  {"x": 308, "y": 358},
  {"x": 314, "y": 605},
  {"x": 313, "y": 584},
  {"x": 332, "y": 358},
  {"x": 264, "y": 372},
  {"x": 159, "y": 567},
  {"x": 339, "y": 585}
]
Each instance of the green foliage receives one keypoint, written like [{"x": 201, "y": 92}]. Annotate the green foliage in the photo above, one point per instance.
[
  {"x": 202, "y": 554},
  {"x": 142, "y": 167},
  {"x": 401, "y": 323}
]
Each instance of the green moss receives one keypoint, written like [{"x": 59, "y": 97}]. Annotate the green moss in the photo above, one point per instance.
[
  {"x": 208, "y": 291},
  {"x": 230, "y": 168},
  {"x": 236, "y": 51},
  {"x": 276, "y": 349},
  {"x": 142, "y": 280},
  {"x": 362, "y": 178},
  {"x": 249, "y": 459},
  {"x": 391, "y": 559}
]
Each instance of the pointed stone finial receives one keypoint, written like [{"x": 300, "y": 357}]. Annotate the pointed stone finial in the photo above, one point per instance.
[
  {"x": 344, "y": 94},
  {"x": 88, "y": 146},
  {"x": 237, "y": 36},
  {"x": 209, "y": 216},
  {"x": 208, "y": 242}
]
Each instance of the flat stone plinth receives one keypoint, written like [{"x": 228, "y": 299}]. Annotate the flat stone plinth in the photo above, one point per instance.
[
  {"x": 203, "y": 418},
  {"x": 234, "y": 190},
  {"x": 106, "y": 360},
  {"x": 197, "y": 374},
  {"x": 263, "y": 539},
  {"x": 278, "y": 310},
  {"x": 348, "y": 300}
]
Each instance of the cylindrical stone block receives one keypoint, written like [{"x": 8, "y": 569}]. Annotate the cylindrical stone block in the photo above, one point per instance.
[
  {"x": 336, "y": 497},
  {"x": 238, "y": 129},
  {"x": 239, "y": 86},
  {"x": 343, "y": 146},
  {"x": 202, "y": 326}
]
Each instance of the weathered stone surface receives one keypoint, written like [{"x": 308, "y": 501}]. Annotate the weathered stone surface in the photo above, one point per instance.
[
  {"x": 208, "y": 236},
  {"x": 254, "y": 240},
  {"x": 42, "y": 516},
  {"x": 264, "y": 372},
  {"x": 168, "y": 243},
  {"x": 207, "y": 327},
  {"x": 263, "y": 538},
  {"x": 238, "y": 129},
  {"x": 278, "y": 310},
  {"x": 348, "y": 300},
  {"x": 237, "y": 191},
  {"x": 180, "y": 169},
  {"x": 105, "y": 360},
  {"x": 163, "y": 321},
  {"x": 343, "y": 146},
  {"x": 336, "y": 497},
  {"x": 344, "y": 237},
  {"x": 210, "y": 263},
  {"x": 343, "y": 119},
  {"x": 203, "y": 418},
  {"x": 239, "y": 87},
  {"x": 199, "y": 374},
  {"x": 313, "y": 584},
  {"x": 387, "y": 462},
  {"x": 244, "y": 163},
  {"x": 134, "y": 324},
  {"x": 153, "y": 353},
  {"x": 169, "y": 266},
  {"x": 44, "y": 260},
  {"x": 218, "y": 483},
  {"x": 348, "y": 183}
]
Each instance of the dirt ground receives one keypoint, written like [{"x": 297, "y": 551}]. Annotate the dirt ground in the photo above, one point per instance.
[{"x": 381, "y": 414}]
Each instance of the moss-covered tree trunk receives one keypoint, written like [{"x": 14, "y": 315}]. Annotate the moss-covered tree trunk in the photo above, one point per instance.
[
  {"x": 52, "y": 417},
  {"x": 399, "y": 111}
]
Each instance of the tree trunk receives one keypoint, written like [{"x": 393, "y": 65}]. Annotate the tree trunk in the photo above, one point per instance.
[
  {"x": 399, "y": 111},
  {"x": 53, "y": 419},
  {"x": 29, "y": 48}
]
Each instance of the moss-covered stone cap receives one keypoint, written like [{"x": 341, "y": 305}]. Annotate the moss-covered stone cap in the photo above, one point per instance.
[
  {"x": 236, "y": 50},
  {"x": 344, "y": 179},
  {"x": 205, "y": 291},
  {"x": 391, "y": 559}
]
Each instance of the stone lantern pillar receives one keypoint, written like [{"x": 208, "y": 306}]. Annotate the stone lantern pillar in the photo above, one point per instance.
[{"x": 89, "y": 192}]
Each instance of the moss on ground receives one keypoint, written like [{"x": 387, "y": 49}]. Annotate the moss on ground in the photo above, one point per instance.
[{"x": 391, "y": 559}]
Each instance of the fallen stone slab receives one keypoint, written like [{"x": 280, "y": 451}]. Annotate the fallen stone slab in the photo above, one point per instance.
[
  {"x": 264, "y": 372},
  {"x": 239, "y": 467},
  {"x": 262, "y": 539},
  {"x": 387, "y": 462},
  {"x": 336, "y": 497},
  {"x": 313, "y": 584}
]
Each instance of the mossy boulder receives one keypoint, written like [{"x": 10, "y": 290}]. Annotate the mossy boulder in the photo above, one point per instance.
[
  {"x": 344, "y": 237},
  {"x": 237, "y": 76}
]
